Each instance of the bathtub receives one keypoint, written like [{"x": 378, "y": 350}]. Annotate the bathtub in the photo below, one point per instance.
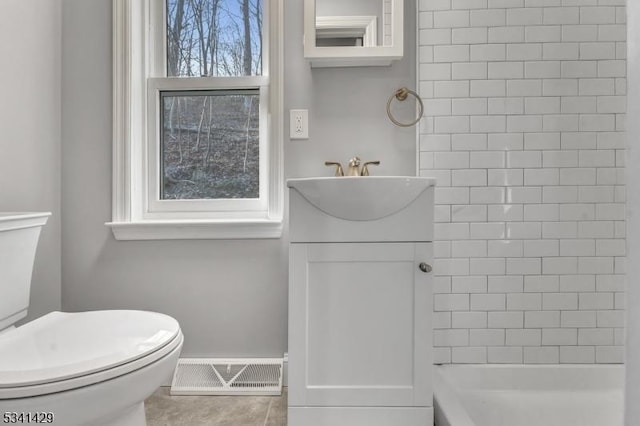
[{"x": 528, "y": 395}]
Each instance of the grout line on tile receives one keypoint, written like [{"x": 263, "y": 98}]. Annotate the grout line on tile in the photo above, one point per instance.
[{"x": 266, "y": 419}]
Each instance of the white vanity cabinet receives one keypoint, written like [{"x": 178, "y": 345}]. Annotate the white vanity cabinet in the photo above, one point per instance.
[{"x": 360, "y": 302}]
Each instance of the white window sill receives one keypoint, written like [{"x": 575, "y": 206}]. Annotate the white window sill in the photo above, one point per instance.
[{"x": 196, "y": 229}]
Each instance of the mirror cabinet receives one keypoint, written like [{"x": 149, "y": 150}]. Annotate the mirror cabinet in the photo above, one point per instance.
[{"x": 339, "y": 33}]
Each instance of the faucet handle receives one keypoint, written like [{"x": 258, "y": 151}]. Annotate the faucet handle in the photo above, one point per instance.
[
  {"x": 339, "y": 171},
  {"x": 365, "y": 168}
]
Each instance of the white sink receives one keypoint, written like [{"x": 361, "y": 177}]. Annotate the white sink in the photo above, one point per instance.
[
  {"x": 18, "y": 220},
  {"x": 361, "y": 198}
]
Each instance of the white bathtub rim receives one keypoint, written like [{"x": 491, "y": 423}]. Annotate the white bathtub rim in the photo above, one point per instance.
[{"x": 447, "y": 403}]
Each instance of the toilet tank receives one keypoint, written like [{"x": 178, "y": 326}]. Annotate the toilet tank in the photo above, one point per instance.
[{"x": 19, "y": 233}]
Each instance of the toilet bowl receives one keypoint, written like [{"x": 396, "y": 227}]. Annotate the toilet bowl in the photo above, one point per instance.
[
  {"x": 88, "y": 368},
  {"x": 75, "y": 369}
]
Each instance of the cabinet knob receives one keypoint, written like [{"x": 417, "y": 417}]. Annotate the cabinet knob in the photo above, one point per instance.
[{"x": 425, "y": 267}]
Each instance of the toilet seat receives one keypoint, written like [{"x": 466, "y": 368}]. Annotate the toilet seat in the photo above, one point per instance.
[{"x": 62, "y": 351}]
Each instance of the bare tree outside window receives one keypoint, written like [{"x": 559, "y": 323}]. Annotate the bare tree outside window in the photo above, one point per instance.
[
  {"x": 214, "y": 38},
  {"x": 210, "y": 139}
]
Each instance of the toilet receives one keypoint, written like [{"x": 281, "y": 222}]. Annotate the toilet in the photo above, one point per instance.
[{"x": 87, "y": 368}]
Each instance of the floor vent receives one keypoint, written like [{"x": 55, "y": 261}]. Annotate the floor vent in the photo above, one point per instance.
[{"x": 215, "y": 376}]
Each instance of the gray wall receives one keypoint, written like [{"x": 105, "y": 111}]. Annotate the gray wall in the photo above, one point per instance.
[
  {"x": 229, "y": 296},
  {"x": 30, "y": 131}
]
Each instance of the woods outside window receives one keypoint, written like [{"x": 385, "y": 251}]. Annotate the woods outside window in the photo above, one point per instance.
[{"x": 197, "y": 103}]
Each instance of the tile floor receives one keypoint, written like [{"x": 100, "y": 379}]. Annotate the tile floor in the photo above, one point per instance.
[{"x": 163, "y": 409}]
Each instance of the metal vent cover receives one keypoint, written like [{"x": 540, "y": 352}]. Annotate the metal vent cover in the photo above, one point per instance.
[{"x": 218, "y": 376}]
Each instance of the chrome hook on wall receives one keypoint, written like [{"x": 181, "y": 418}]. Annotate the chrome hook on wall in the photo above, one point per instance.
[{"x": 401, "y": 95}]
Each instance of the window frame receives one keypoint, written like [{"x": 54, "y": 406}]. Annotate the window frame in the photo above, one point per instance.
[
  {"x": 139, "y": 65},
  {"x": 156, "y": 208}
]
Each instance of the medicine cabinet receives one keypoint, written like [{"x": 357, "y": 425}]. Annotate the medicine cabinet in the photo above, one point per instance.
[{"x": 343, "y": 33}]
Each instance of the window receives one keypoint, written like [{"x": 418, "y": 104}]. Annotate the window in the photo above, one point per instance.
[
  {"x": 197, "y": 128},
  {"x": 209, "y": 144}
]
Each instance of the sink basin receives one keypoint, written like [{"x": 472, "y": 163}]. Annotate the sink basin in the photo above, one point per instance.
[
  {"x": 361, "y": 198},
  {"x": 18, "y": 220}
]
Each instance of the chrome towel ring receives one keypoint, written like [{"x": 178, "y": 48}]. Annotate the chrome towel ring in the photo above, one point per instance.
[{"x": 401, "y": 95}]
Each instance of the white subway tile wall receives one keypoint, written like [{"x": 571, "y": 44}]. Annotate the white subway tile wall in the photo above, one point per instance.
[
  {"x": 387, "y": 26},
  {"x": 524, "y": 130}
]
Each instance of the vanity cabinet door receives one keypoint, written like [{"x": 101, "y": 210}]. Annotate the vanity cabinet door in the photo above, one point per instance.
[{"x": 360, "y": 325}]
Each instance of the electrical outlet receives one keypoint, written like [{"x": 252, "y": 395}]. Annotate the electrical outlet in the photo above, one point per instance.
[{"x": 299, "y": 124}]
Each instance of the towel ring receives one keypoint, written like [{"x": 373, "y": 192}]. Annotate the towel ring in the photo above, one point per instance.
[{"x": 401, "y": 95}]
